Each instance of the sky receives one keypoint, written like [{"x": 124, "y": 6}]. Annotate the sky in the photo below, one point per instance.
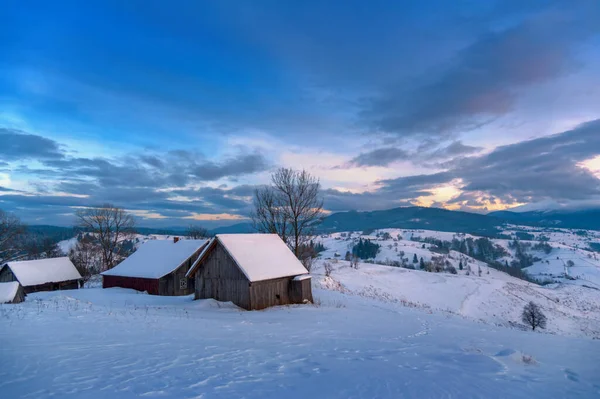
[{"x": 178, "y": 110}]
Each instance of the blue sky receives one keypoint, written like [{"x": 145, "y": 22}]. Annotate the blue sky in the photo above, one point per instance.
[{"x": 178, "y": 110}]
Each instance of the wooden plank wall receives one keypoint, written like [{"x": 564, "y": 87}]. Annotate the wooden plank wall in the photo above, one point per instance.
[
  {"x": 139, "y": 284},
  {"x": 6, "y": 275},
  {"x": 300, "y": 291},
  {"x": 219, "y": 277},
  {"x": 170, "y": 284},
  {"x": 20, "y": 296},
  {"x": 270, "y": 293}
]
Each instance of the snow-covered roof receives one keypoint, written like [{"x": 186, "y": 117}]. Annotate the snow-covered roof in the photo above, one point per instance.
[
  {"x": 156, "y": 258},
  {"x": 41, "y": 271},
  {"x": 259, "y": 256},
  {"x": 8, "y": 291}
]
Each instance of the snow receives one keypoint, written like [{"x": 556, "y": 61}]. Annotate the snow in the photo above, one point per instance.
[
  {"x": 495, "y": 298},
  {"x": 94, "y": 343},
  {"x": 50, "y": 270},
  {"x": 156, "y": 258},
  {"x": 302, "y": 277},
  {"x": 8, "y": 291},
  {"x": 261, "y": 256}
]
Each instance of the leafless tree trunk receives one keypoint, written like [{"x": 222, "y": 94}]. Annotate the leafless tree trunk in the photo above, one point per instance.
[
  {"x": 11, "y": 230},
  {"x": 532, "y": 316},
  {"x": 110, "y": 225},
  {"x": 289, "y": 207},
  {"x": 84, "y": 257},
  {"x": 269, "y": 213},
  {"x": 196, "y": 232}
]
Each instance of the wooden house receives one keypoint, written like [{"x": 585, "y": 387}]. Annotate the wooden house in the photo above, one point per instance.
[
  {"x": 158, "y": 267},
  {"x": 11, "y": 292},
  {"x": 254, "y": 271},
  {"x": 42, "y": 275}
]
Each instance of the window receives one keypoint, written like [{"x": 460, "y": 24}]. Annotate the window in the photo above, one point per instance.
[{"x": 183, "y": 283}]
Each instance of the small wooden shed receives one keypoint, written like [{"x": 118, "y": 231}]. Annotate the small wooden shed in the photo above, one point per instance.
[
  {"x": 11, "y": 292},
  {"x": 254, "y": 271},
  {"x": 158, "y": 267},
  {"x": 48, "y": 274}
]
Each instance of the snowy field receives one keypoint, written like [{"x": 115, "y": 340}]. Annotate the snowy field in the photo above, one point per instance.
[
  {"x": 567, "y": 245},
  {"x": 117, "y": 343},
  {"x": 495, "y": 298}
]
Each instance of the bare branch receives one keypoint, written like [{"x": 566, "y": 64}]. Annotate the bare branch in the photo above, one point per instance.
[{"x": 111, "y": 226}]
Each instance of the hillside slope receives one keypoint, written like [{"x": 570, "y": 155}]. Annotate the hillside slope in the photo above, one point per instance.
[{"x": 95, "y": 343}]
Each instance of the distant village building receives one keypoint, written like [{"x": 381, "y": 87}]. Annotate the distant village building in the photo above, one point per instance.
[
  {"x": 158, "y": 267},
  {"x": 254, "y": 271},
  {"x": 11, "y": 292},
  {"x": 42, "y": 275}
]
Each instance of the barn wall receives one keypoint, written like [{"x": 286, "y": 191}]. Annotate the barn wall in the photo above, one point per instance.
[
  {"x": 300, "y": 291},
  {"x": 62, "y": 285},
  {"x": 270, "y": 293},
  {"x": 176, "y": 282},
  {"x": 171, "y": 284},
  {"x": 219, "y": 277},
  {"x": 6, "y": 275},
  {"x": 139, "y": 284},
  {"x": 20, "y": 296}
]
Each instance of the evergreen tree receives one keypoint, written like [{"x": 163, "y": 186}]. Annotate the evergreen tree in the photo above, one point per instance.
[
  {"x": 460, "y": 265},
  {"x": 415, "y": 259},
  {"x": 422, "y": 263}
]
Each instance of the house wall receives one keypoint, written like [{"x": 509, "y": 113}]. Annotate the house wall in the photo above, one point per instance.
[
  {"x": 20, "y": 296},
  {"x": 220, "y": 278},
  {"x": 6, "y": 275},
  {"x": 62, "y": 285},
  {"x": 270, "y": 293},
  {"x": 300, "y": 291},
  {"x": 135, "y": 283},
  {"x": 176, "y": 283}
]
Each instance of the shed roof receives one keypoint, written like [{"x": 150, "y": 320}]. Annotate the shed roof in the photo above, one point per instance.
[
  {"x": 156, "y": 258},
  {"x": 41, "y": 271},
  {"x": 259, "y": 256},
  {"x": 8, "y": 291}
]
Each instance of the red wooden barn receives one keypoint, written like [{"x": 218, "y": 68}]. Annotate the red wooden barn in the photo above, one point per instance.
[{"x": 158, "y": 267}]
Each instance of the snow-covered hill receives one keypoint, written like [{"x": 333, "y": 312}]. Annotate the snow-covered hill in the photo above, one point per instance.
[
  {"x": 495, "y": 298},
  {"x": 95, "y": 343},
  {"x": 566, "y": 245}
]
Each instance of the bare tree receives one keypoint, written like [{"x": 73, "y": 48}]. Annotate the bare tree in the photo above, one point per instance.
[
  {"x": 84, "y": 256},
  {"x": 269, "y": 214},
  {"x": 289, "y": 207},
  {"x": 110, "y": 226},
  {"x": 196, "y": 232},
  {"x": 11, "y": 230},
  {"x": 328, "y": 268},
  {"x": 532, "y": 316}
]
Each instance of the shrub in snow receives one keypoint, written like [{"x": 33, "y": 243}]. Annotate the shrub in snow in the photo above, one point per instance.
[
  {"x": 451, "y": 269},
  {"x": 532, "y": 316},
  {"x": 328, "y": 268}
]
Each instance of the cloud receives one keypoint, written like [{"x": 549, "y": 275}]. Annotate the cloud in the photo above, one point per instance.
[
  {"x": 18, "y": 145},
  {"x": 546, "y": 168},
  {"x": 152, "y": 184},
  {"x": 379, "y": 157},
  {"x": 454, "y": 149},
  {"x": 484, "y": 80}
]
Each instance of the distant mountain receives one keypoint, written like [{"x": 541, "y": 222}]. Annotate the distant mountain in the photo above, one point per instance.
[
  {"x": 412, "y": 218},
  {"x": 233, "y": 229},
  {"x": 571, "y": 219}
]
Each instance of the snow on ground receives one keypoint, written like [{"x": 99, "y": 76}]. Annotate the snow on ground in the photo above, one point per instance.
[
  {"x": 8, "y": 291},
  {"x": 495, "y": 298},
  {"x": 567, "y": 245},
  {"x": 95, "y": 343}
]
